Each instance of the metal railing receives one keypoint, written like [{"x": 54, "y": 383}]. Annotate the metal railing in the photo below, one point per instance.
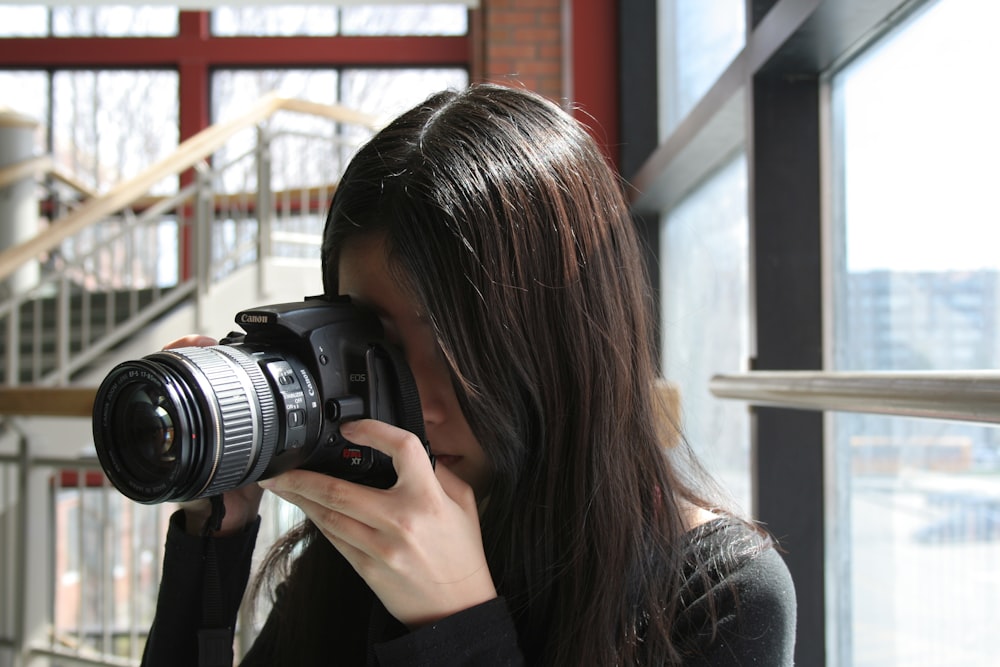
[
  {"x": 94, "y": 601},
  {"x": 971, "y": 396},
  {"x": 113, "y": 263}
]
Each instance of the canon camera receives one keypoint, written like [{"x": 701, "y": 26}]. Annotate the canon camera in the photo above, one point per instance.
[{"x": 196, "y": 422}]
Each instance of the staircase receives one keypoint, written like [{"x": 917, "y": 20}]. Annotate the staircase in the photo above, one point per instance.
[
  {"x": 90, "y": 317},
  {"x": 100, "y": 262}
]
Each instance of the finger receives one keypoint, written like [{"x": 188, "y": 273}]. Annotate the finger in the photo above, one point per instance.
[
  {"x": 404, "y": 448},
  {"x": 192, "y": 340},
  {"x": 339, "y": 528},
  {"x": 316, "y": 490}
]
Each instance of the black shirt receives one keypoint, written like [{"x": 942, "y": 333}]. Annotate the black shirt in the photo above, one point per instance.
[{"x": 740, "y": 577}]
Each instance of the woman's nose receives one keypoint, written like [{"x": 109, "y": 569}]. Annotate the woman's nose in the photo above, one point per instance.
[{"x": 431, "y": 402}]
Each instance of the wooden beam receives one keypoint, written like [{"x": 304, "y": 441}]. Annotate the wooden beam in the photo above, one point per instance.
[{"x": 47, "y": 401}]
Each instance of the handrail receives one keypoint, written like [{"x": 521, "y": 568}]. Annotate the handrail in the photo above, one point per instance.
[
  {"x": 335, "y": 112},
  {"x": 972, "y": 396},
  {"x": 32, "y": 166},
  {"x": 13, "y": 173},
  {"x": 59, "y": 174},
  {"x": 189, "y": 153}
]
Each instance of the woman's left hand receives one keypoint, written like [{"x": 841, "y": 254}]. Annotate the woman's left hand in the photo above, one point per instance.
[{"x": 417, "y": 544}]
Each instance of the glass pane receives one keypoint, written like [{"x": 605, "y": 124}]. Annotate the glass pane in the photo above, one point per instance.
[
  {"x": 305, "y": 156},
  {"x": 282, "y": 21},
  {"x": 24, "y": 21},
  {"x": 704, "y": 279},
  {"x": 112, "y": 124},
  {"x": 698, "y": 40},
  {"x": 386, "y": 93},
  {"x": 305, "y": 152},
  {"x": 114, "y": 21},
  {"x": 917, "y": 287},
  {"x": 106, "y": 568},
  {"x": 444, "y": 19}
]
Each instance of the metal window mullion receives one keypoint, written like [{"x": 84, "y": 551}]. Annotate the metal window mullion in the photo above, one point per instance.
[{"x": 786, "y": 276}]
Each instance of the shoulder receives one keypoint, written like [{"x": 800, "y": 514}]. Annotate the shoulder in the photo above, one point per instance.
[{"x": 738, "y": 600}]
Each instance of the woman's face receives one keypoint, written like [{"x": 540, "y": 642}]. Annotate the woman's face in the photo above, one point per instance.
[{"x": 366, "y": 278}]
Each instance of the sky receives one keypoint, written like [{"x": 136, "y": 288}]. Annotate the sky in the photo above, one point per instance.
[{"x": 922, "y": 144}]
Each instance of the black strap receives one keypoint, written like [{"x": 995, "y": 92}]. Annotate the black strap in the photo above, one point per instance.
[
  {"x": 411, "y": 415},
  {"x": 215, "y": 638}
]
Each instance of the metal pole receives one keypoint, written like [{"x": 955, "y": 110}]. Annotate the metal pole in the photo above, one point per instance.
[
  {"x": 971, "y": 396},
  {"x": 264, "y": 207},
  {"x": 14, "y": 343},
  {"x": 203, "y": 244},
  {"x": 62, "y": 330},
  {"x": 21, "y": 555}
]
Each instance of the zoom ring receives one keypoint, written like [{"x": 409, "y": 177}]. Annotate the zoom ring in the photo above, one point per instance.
[
  {"x": 236, "y": 419},
  {"x": 268, "y": 409}
]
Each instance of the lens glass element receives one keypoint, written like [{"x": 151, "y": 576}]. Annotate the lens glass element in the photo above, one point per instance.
[{"x": 147, "y": 427}]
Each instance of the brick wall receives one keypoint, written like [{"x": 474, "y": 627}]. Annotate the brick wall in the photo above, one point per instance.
[{"x": 523, "y": 44}]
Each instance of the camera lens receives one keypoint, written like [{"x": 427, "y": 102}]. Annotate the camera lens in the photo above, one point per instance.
[
  {"x": 147, "y": 424},
  {"x": 185, "y": 423}
]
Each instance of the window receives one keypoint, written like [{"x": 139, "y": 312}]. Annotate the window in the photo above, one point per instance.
[
  {"x": 23, "y": 21},
  {"x": 917, "y": 287},
  {"x": 354, "y": 20},
  {"x": 428, "y": 19},
  {"x": 705, "y": 309},
  {"x": 114, "y": 21},
  {"x": 283, "y": 21},
  {"x": 697, "y": 41},
  {"x": 109, "y": 125},
  {"x": 310, "y": 151},
  {"x": 87, "y": 21}
]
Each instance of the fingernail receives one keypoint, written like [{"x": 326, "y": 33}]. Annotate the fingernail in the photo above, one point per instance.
[{"x": 266, "y": 483}]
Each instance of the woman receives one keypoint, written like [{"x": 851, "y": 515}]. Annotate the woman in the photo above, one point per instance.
[{"x": 489, "y": 234}]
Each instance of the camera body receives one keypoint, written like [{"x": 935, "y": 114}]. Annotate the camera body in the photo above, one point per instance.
[{"x": 195, "y": 422}]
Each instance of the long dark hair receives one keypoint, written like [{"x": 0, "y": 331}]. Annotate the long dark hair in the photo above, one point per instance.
[{"x": 506, "y": 224}]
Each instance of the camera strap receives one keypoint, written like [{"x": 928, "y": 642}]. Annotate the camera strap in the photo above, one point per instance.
[
  {"x": 215, "y": 638},
  {"x": 411, "y": 416}
]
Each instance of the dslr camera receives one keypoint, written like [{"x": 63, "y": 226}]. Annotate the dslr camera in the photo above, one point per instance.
[{"x": 196, "y": 422}]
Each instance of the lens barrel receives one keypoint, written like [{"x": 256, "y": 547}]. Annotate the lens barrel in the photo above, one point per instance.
[{"x": 185, "y": 423}]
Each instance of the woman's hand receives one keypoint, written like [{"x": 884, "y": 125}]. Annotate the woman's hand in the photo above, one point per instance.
[
  {"x": 241, "y": 504},
  {"x": 418, "y": 544}
]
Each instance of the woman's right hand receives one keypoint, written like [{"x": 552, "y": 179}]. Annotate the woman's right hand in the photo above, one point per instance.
[{"x": 242, "y": 504}]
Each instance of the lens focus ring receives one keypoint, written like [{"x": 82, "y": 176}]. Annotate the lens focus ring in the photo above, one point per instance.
[{"x": 236, "y": 414}]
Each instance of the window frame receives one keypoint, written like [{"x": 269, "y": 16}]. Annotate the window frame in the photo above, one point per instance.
[{"x": 772, "y": 101}]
